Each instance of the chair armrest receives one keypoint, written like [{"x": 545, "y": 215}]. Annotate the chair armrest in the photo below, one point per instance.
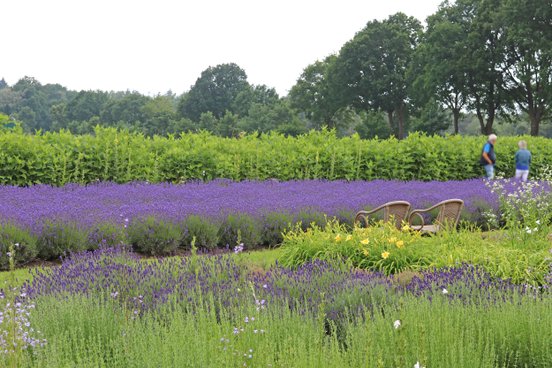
[
  {"x": 419, "y": 214},
  {"x": 365, "y": 214}
]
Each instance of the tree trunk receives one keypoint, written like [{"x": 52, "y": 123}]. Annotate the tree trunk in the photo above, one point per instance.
[
  {"x": 456, "y": 119},
  {"x": 490, "y": 121},
  {"x": 535, "y": 124},
  {"x": 400, "y": 112},
  {"x": 390, "y": 121},
  {"x": 481, "y": 120}
]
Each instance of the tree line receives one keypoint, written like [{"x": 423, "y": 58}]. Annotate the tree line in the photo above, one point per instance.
[{"x": 474, "y": 63}]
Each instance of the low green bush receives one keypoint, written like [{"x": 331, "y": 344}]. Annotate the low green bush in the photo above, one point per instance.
[
  {"x": 524, "y": 259},
  {"x": 204, "y": 231},
  {"x": 106, "y": 234},
  {"x": 153, "y": 237},
  {"x": 308, "y": 218},
  {"x": 57, "y": 239},
  {"x": 273, "y": 228},
  {"x": 24, "y": 245},
  {"x": 240, "y": 228}
]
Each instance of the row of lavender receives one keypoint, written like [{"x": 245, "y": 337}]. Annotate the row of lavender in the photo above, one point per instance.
[
  {"x": 105, "y": 202},
  {"x": 118, "y": 274},
  {"x": 159, "y": 218}
]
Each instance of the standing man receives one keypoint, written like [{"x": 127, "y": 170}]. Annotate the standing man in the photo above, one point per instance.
[{"x": 488, "y": 157}]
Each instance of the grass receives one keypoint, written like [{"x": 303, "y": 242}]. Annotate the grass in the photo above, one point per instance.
[
  {"x": 99, "y": 330},
  {"x": 88, "y": 332}
]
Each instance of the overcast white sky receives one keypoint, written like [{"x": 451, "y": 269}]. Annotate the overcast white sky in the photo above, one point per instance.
[{"x": 155, "y": 45}]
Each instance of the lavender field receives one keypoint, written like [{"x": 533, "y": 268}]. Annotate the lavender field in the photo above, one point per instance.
[
  {"x": 121, "y": 203},
  {"x": 110, "y": 308}
]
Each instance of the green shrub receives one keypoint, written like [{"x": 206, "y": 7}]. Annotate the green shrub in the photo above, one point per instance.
[
  {"x": 386, "y": 249},
  {"x": 273, "y": 227},
  {"x": 240, "y": 228},
  {"x": 153, "y": 237},
  {"x": 25, "y": 245},
  {"x": 308, "y": 218},
  {"x": 122, "y": 156},
  {"x": 105, "y": 234},
  {"x": 58, "y": 238},
  {"x": 205, "y": 232}
]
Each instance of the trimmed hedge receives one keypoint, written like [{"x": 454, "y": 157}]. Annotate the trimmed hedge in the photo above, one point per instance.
[{"x": 120, "y": 156}]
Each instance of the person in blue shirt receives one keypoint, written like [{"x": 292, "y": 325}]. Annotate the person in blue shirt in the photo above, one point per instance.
[
  {"x": 523, "y": 161},
  {"x": 488, "y": 156}
]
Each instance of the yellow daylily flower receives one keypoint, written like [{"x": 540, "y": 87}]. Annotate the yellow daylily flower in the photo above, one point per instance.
[
  {"x": 338, "y": 238},
  {"x": 349, "y": 237},
  {"x": 365, "y": 252},
  {"x": 399, "y": 244},
  {"x": 406, "y": 228},
  {"x": 365, "y": 241},
  {"x": 392, "y": 240},
  {"x": 385, "y": 255}
]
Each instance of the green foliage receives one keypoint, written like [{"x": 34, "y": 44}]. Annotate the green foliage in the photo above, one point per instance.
[
  {"x": 370, "y": 71},
  {"x": 275, "y": 224},
  {"x": 204, "y": 231},
  {"x": 214, "y": 91},
  {"x": 153, "y": 237},
  {"x": 240, "y": 229},
  {"x": 92, "y": 331},
  {"x": 23, "y": 242},
  {"x": 386, "y": 249},
  {"x": 57, "y": 239},
  {"x": 105, "y": 235},
  {"x": 122, "y": 156}
]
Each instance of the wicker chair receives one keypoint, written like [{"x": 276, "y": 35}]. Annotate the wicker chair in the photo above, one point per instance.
[
  {"x": 396, "y": 211},
  {"x": 447, "y": 216}
]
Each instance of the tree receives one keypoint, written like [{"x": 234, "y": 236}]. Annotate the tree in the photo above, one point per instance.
[
  {"x": 33, "y": 108},
  {"x": 439, "y": 70},
  {"x": 86, "y": 105},
  {"x": 214, "y": 91},
  {"x": 261, "y": 94},
  {"x": 3, "y": 84},
  {"x": 128, "y": 108},
  {"x": 431, "y": 119},
  {"x": 158, "y": 114},
  {"x": 370, "y": 72},
  {"x": 264, "y": 118},
  {"x": 527, "y": 27},
  {"x": 311, "y": 94}
]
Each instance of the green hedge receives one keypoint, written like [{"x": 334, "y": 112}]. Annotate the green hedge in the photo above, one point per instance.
[{"x": 120, "y": 156}]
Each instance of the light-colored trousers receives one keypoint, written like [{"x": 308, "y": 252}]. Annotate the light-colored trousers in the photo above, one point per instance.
[{"x": 522, "y": 174}]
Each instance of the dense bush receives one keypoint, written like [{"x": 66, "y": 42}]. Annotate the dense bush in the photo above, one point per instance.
[
  {"x": 153, "y": 237},
  {"x": 240, "y": 228},
  {"x": 204, "y": 231},
  {"x": 105, "y": 235},
  {"x": 22, "y": 241},
  {"x": 120, "y": 156},
  {"x": 59, "y": 238},
  {"x": 273, "y": 226}
]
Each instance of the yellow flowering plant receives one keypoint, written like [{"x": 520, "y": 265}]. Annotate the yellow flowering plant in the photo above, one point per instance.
[{"x": 380, "y": 247}]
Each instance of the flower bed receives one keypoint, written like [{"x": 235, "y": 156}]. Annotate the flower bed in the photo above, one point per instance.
[{"x": 113, "y": 309}]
